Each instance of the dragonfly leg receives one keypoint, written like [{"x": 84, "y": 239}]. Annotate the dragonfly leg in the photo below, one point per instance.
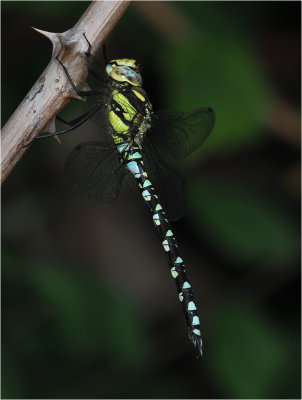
[
  {"x": 89, "y": 51},
  {"x": 88, "y": 56},
  {"x": 91, "y": 69},
  {"x": 64, "y": 121},
  {"x": 81, "y": 93},
  {"x": 73, "y": 125},
  {"x": 89, "y": 47},
  {"x": 81, "y": 119}
]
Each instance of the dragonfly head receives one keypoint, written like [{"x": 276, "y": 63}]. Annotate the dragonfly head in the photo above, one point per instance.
[{"x": 124, "y": 71}]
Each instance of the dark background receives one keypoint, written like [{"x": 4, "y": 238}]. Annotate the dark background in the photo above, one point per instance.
[{"x": 89, "y": 309}]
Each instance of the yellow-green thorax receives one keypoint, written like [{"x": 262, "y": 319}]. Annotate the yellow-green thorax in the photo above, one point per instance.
[{"x": 129, "y": 109}]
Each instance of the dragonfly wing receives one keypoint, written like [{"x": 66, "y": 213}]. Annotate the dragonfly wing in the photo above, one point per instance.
[
  {"x": 97, "y": 80},
  {"x": 100, "y": 118},
  {"x": 168, "y": 184},
  {"x": 179, "y": 134},
  {"x": 94, "y": 168}
]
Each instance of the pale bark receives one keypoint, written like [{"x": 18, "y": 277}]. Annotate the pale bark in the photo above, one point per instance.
[{"x": 52, "y": 91}]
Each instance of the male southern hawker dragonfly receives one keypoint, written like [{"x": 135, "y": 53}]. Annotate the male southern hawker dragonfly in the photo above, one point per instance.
[{"x": 135, "y": 135}]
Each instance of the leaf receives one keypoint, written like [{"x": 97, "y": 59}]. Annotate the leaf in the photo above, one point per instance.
[
  {"x": 92, "y": 317},
  {"x": 60, "y": 326},
  {"x": 248, "y": 354},
  {"x": 246, "y": 226},
  {"x": 218, "y": 69}
]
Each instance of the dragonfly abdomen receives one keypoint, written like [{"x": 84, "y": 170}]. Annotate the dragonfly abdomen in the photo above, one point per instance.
[{"x": 176, "y": 264}]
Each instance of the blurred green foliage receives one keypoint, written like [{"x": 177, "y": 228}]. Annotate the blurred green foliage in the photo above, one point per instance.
[
  {"x": 211, "y": 74},
  {"x": 250, "y": 353},
  {"x": 249, "y": 227},
  {"x": 67, "y": 333},
  {"x": 67, "y": 321}
]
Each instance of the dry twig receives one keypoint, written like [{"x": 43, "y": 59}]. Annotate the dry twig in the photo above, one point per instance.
[{"x": 52, "y": 91}]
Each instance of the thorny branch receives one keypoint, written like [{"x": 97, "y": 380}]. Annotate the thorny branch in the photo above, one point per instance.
[{"x": 52, "y": 91}]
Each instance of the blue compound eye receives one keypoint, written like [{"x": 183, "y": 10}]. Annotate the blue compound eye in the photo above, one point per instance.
[
  {"x": 131, "y": 73},
  {"x": 109, "y": 69},
  {"x": 124, "y": 74}
]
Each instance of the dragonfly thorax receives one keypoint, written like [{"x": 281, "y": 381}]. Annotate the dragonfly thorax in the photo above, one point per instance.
[{"x": 129, "y": 107}]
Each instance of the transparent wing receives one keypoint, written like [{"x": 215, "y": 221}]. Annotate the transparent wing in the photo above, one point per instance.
[
  {"x": 94, "y": 168},
  {"x": 169, "y": 185},
  {"x": 179, "y": 134},
  {"x": 101, "y": 117},
  {"x": 97, "y": 80}
]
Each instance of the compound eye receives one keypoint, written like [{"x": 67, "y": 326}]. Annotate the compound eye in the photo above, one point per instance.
[
  {"x": 109, "y": 69},
  {"x": 131, "y": 74},
  {"x": 124, "y": 74}
]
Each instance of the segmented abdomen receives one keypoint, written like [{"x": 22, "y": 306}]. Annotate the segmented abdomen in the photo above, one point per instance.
[{"x": 176, "y": 264}]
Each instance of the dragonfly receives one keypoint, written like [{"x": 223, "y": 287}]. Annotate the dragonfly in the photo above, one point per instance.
[{"x": 136, "y": 139}]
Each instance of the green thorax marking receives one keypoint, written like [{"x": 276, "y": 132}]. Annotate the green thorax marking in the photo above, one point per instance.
[{"x": 129, "y": 109}]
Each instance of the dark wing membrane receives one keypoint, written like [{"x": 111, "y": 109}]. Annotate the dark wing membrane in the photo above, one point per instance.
[
  {"x": 168, "y": 184},
  {"x": 97, "y": 80},
  {"x": 179, "y": 134},
  {"x": 94, "y": 168},
  {"x": 101, "y": 117}
]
